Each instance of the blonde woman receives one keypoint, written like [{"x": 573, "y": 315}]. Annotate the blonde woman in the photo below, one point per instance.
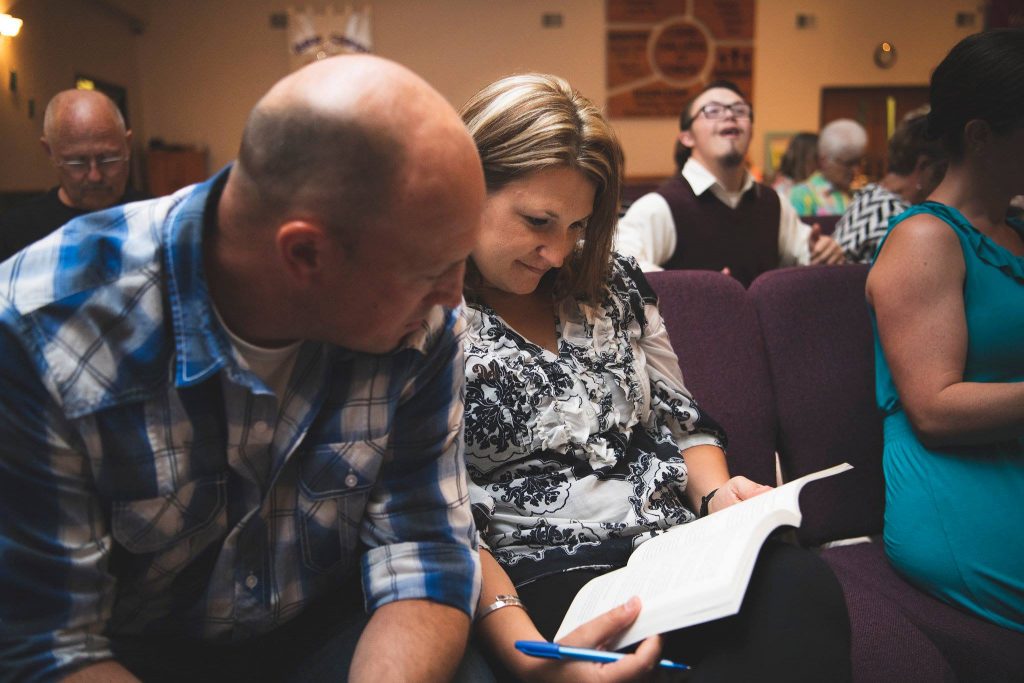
[{"x": 581, "y": 439}]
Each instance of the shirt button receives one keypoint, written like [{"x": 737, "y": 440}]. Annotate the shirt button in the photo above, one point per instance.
[
  {"x": 251, "y": 581},
  {"x": 261, "y": 430},
  {"x": 351, "y": 480}
]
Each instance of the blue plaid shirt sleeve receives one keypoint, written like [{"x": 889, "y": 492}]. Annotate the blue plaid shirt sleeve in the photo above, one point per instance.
[
  {"x": 418, "y": 523},
  {"x": 53, "y": 544}
]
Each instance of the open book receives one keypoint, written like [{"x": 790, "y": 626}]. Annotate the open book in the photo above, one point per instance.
[{"x": 694, "y": 572}]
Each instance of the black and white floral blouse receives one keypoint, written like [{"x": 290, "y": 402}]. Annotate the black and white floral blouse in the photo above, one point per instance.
[{"x": 575, "y": 457}]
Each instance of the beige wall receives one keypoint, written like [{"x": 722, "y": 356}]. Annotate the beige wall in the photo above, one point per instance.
[
  {"x": 793, "y": 65},
  {"x": 201, "y": 64},
  {"x": 206, "y": 63},
  {"x": 59, "y": 39}
]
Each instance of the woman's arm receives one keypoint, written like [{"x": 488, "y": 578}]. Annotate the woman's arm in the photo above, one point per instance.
[
  {"x": 916, "y": 290},
  {"x": 500, "y": 629},
  {"x": 707, "y": 469}
]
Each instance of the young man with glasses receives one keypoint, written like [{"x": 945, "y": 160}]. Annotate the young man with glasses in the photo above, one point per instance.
[
  {"x": 84, "y": 135},
  {"x": 713, "y": 215}
]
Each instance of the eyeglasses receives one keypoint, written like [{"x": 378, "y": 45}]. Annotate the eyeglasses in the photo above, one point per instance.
[
  {"x": 848, "y": 163},
  {"x": 82, "y": 165},
  {"x": 714, "y": 110}
]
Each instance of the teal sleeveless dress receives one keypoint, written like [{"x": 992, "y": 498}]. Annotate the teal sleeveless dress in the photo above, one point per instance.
[{"x": 954, "y": 517}]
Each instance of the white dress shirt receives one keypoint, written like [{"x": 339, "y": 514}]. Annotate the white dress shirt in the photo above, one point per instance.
[{"x": 648, "y": 233}]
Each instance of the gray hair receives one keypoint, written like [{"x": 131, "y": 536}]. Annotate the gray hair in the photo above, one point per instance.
[{"x": 842, "y": 138}]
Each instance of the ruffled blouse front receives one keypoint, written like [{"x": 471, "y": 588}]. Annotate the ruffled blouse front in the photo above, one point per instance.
[{"x": 576, "y": 457}]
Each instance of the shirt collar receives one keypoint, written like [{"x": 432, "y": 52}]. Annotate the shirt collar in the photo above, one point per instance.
[
  {"x": 202, "y": 346},
  {"x": 701, "y": 179}
]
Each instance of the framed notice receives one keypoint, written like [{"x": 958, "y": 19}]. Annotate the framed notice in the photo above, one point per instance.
[{"x": 661, "y": 52}]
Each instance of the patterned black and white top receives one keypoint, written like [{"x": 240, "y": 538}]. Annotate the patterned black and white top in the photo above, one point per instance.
[
  {"x": 575, "y": 457},
  {"x": 866, "y": 221}
]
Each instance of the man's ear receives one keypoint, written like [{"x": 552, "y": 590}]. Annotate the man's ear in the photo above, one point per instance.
[
  {"x": 305, "y": 248},
  {"x": 685, "y": 138},
  {"x": 128, "y": 140},
  {"x": 46, "y": 147}
]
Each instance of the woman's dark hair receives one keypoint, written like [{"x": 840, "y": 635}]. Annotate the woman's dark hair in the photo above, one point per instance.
[
  {"x": 682, "y": 152},
  {"x": 982, "y": 77},
  {"x": 910, "y": 142},
  {"x": 793, "y": 164}
]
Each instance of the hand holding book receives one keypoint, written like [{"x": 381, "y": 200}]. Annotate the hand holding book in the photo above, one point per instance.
[{"x": 695, "y": 572}]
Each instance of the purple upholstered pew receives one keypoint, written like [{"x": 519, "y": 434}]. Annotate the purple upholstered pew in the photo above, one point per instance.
[
  {"x": 817, "y": 333},
  {"x": 714, "y": 331},
  {"x": 788, "y": 366}
]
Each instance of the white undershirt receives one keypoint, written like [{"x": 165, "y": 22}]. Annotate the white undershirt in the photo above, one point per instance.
[{"x": 272, "y": 365}]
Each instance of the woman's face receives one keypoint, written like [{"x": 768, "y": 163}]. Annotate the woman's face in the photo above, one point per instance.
[{"x": 531, "y": 226}]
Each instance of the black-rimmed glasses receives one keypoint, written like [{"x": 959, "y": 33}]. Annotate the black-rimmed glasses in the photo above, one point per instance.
[{"x": 714, "y": 111}]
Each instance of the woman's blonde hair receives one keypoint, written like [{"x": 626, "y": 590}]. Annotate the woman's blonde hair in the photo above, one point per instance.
[{"x": 531, "y": 122}]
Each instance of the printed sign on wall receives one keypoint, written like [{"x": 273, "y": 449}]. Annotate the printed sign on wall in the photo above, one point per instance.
[{"x": 661, "y": 52}]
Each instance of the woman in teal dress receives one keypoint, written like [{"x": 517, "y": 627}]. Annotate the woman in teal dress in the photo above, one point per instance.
[{"x": 947, "y": 294}]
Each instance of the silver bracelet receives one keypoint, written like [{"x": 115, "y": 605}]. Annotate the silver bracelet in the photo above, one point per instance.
[{"x": 499, "y": 602}]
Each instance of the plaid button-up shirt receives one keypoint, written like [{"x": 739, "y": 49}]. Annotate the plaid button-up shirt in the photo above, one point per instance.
[{"x": 150, "y": 484}]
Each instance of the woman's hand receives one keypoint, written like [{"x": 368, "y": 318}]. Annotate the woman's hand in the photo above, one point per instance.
[
  {"x": 597, "y": 633},
  {"x": 735, "y": 490}
]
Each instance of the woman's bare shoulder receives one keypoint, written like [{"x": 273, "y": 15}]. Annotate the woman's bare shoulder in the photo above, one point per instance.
[{"x": 922, "y": 250}]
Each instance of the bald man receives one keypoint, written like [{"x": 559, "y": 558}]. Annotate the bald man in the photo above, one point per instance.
[
  {"x": 84, "y": 136},
  {"x": 230, "y": 419}
]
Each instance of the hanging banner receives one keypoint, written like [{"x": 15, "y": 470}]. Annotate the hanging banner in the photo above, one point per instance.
[
  {"x": 661, "y": 52},
  {"x": 318, "y": 35}
]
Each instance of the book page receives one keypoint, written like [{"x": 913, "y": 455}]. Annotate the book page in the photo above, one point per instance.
[{"x": 694, "y": 572}]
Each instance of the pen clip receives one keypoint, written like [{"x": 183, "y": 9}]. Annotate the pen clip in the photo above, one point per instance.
[{"x": 536, "y": 648}]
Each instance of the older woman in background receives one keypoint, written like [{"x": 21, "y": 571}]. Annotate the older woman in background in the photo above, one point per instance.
[
  {"x": 947, "y": 294},
  {"x": 916, "y": 165},
  {"x": 826, "y": 192}
]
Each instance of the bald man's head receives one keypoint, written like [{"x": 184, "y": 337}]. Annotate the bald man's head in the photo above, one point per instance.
[
  {"x": 358, "y": 192},
  {"x": 85, "y": 137},
  {"x": 344, "y": 140}
]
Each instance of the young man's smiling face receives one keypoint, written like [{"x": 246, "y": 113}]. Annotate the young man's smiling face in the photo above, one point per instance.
[{"x": 717, "y": 142}]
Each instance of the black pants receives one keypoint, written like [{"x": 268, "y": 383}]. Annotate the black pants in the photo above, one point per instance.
[{"x": 792, "y": 626}]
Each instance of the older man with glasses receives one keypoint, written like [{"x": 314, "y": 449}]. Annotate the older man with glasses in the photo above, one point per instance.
[
  {"x": 712, "y": 215},
  {"x": 84, "y": 135}
]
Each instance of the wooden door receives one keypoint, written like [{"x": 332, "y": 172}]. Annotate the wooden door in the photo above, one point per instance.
[{"x": 879, "y": 110}]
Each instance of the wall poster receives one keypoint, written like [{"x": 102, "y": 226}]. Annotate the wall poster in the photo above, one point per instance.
[{"x": 660, "y": 52}]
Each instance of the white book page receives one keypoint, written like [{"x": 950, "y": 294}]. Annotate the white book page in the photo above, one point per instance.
[{"x": 695, "y": 572}]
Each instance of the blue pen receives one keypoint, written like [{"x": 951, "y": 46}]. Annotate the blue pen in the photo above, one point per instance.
[{"x": 542, "y": 648}]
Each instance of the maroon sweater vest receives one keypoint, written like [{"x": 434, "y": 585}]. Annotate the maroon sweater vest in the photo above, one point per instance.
[{"x": 711, "y": 236}]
